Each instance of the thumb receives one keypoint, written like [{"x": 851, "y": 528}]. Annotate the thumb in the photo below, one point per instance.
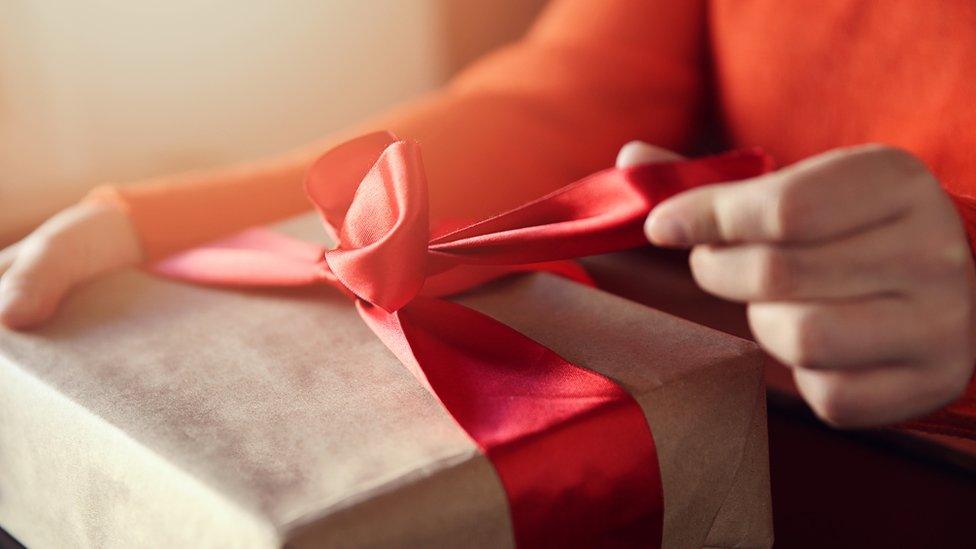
[{"x": 636, "y": 153}]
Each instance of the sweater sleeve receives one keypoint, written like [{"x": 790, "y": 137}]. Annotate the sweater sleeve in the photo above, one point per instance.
[{"x": 531, "y": 117}]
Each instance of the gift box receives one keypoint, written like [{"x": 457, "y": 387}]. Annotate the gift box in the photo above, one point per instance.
[
  {"x": 534, "y": 413},
  {"x": 152, "y": 413}
]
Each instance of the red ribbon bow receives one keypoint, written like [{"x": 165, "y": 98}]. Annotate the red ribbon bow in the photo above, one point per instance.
[{"x": 570, "y": 446}]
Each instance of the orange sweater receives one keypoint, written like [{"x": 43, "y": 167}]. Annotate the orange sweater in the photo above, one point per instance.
[{"x": 796, "y": 78}]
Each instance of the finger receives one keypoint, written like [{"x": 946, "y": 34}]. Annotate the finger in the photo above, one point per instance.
[
  {"x": 864, "y": 264},
  {"x": 884, "y": 260},
  {"x": 33, "y": 285},
  {"x": 823, "y": 197},
  {"x": 881, "y": 395},
  {"x": 846, "y": 335},
  {"x": 636, "y": 153},
  {"x": 7, "y": 256}
]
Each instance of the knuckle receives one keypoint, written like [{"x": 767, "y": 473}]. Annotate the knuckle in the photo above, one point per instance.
[
  {"x": 939, "y": 248},
  {"x": 775, "y": 274},
  {"x": 933, "y": 251},
  {"x": 950, "y": 257},
  {"x": 808, "y": 340},
  {"x": 785, "y": 212}
]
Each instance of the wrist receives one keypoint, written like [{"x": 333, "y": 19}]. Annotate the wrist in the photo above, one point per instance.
[{"x": 108, "y": 214}]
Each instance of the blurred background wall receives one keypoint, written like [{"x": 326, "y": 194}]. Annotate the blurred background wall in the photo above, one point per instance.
[{"x": 109, "y": 90}]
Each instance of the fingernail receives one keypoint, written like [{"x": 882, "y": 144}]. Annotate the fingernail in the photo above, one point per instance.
[{"x": 666, "y": 231}]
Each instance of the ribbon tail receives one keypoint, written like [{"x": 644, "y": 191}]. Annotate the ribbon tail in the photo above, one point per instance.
[
  {"x": 253, "y": 258},
  {"x": 598, "y": 214},
  {"x": 571, "y": 447}
]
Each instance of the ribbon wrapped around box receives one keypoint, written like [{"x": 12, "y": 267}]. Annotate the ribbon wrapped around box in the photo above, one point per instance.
[{"x": 548, "y": 413}]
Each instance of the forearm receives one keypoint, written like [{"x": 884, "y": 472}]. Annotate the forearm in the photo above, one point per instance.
[{"x": 528, "y": 119}]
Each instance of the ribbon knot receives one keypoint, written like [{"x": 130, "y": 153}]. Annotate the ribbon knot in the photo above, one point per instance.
[{"x": 372, "y": 196}]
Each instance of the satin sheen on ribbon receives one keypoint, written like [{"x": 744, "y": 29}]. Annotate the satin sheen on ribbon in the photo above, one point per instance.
[{"x": 572, "y": 448}]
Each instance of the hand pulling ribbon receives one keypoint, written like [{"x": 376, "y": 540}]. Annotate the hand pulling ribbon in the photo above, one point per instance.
[{"x": 572, "y": 448}]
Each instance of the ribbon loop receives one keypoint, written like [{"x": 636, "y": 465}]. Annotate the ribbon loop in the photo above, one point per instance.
[
  {"x": 332, "y": 181},
  {"x": 378, "y": 217},
  {"x": 382, "y": 251}
]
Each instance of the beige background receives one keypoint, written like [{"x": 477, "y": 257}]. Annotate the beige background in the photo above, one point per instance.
[{"x": 104, "y": 90}]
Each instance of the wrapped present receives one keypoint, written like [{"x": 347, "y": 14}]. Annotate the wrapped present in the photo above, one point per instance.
[{"x": 532, "y": 412}]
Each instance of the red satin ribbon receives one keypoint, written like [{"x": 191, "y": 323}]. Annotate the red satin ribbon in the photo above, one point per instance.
[{"x": 570, "y": 446}]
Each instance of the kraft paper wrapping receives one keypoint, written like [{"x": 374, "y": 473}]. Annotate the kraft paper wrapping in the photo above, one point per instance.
[{"x": 156, "y": 414}]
